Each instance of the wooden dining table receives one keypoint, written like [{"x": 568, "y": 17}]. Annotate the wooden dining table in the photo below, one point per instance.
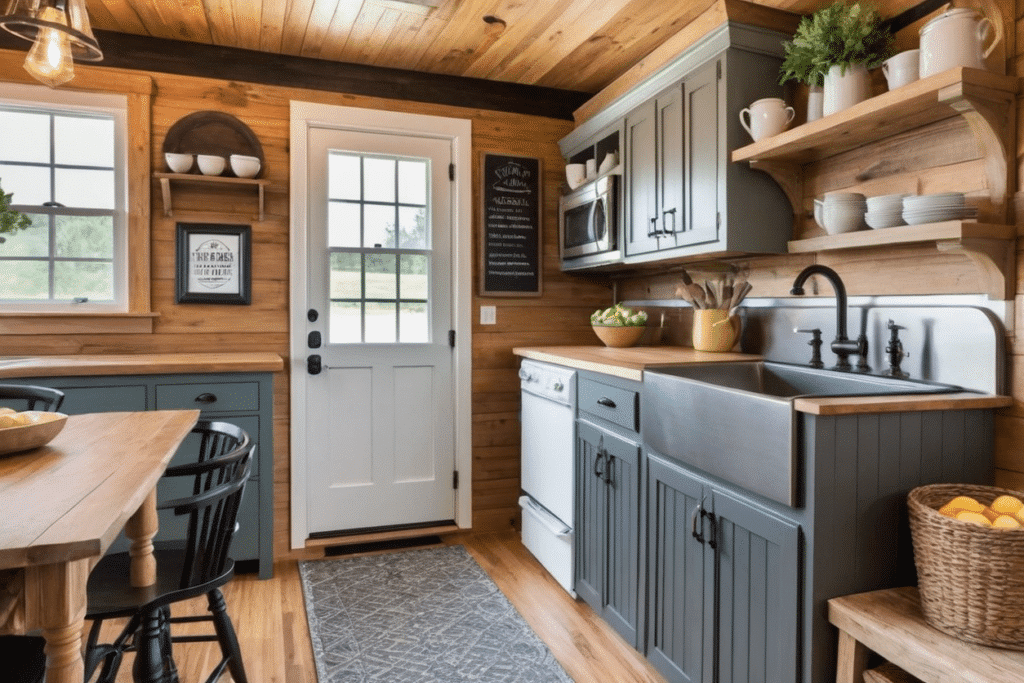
[{"x": 63, "y": 504}]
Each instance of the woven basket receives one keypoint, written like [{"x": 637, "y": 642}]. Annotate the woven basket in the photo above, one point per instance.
[{"x": 971, "y": 578}]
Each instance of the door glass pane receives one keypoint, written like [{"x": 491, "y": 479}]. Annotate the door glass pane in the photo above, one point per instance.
[
  {"x": 343, "y": 224},
  {"x": 380, "y": 323},
  {"x": 412, "y": 182},
  {"x": 413, "y": 323},
  {"x": 381, "y": 276},
  {"x": 380, "y": 179},
  {"x": 413, "y": 224},
  {"x": 82, "y": 141},
  {"x": 379, "y": 222},
  {"x": 415, "y": 276},
  {"x": 346, "y": 276},
  {"x": 343, "y": 176},
  {"x": 32, "y": 144},
  {"x": 346, "y": 323}
]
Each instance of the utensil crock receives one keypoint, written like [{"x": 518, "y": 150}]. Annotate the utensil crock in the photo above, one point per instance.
[{"x": 714, "y": 330}]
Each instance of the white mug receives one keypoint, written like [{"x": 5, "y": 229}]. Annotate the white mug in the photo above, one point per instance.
[
  {"x": 591, "y": 168},
  {"x": 767, "y": 117},
  {"x": 901, "y": 69},
  {"x": 955, "y": 38}
]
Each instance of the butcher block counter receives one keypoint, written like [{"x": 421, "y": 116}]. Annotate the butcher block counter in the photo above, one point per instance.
[
  {"x": 139, "y": 364},
  {"x": 629, "y": 363}
]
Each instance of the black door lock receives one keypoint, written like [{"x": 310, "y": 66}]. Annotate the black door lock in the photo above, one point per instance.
[
  {"x": 313, "y": 340},
  {"x": 313, "y": 365}
]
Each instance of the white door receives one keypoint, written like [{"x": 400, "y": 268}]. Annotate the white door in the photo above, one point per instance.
[{"x": 379, "y": 414}]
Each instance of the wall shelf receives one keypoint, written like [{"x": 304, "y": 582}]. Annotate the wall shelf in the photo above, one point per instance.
[
  {"x": 984, "y": 99},
  {"x": 990, "y": 247},
  {"x": 168, "y": 179}
]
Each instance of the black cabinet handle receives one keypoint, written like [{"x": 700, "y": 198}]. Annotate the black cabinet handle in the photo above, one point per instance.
[
  {"x": 714, "y": 528},
  {"x": 665, "y": 213},
  {"x": 698, "y": 512},
  {"x": 600, "y": 457},
  {"x": 606, "y": 402},
  {"x": 206, "y": 398}
]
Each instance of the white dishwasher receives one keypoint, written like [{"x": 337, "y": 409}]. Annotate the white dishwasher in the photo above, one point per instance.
[{"x": 548, "y": 441}]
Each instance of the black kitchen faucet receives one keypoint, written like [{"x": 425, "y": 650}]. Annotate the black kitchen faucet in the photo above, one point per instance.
[{"x": 842, "y": 346}]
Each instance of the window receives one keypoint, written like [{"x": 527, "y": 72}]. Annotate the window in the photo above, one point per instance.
[
  {"x": 62, "y": 155},
  {"x": 379, "y": 243}
]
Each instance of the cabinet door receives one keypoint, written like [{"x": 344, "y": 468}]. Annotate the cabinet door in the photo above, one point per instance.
[
  {"x": 591, "y": 502},
  {"x": 758, "y": 579},
  {"x": 676, "y": 593},
  {"x": 641, "y": 181},
  {"x": 669, "y": 106},
  {"x": 702, "y": 137},
  {"x": 622, "y": 487}
]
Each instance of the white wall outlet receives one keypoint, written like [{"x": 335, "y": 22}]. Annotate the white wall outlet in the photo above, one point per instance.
[{"x": 488, "y": 315}]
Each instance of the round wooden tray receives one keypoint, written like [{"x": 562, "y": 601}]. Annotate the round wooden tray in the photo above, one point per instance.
[
  {"x": 213, "y": 132},
  {"x": 26, "y": 437}
]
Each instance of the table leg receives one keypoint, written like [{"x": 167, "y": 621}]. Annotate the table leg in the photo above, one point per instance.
[
  {"x": 852, "y": 659},
  {"x": 55, "y": 597},
  {"x": 140, "y": 530}
]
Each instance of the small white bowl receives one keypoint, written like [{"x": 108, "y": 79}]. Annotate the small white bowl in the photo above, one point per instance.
[
  {"x": 210, "y": 164},
  {"x": 245, "y": 167},
  {"x": 575, "y": 174},
  {"x": 178, "y": 163}
]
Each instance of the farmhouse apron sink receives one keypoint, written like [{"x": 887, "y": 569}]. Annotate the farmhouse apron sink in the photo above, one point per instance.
[{"x": 736, "y": 420}]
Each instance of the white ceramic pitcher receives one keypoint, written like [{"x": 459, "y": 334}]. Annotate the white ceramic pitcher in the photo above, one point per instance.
[
  {"x": 767, "y": 117},
  {"x": 956, "y": 38}
]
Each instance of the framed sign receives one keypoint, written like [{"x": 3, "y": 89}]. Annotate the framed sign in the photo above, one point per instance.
[
  {"x": 511, "y": 240},
  {"x": 213, "y": 264}
]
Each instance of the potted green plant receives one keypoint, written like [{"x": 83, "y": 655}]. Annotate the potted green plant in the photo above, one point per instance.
[
  {"x": 837, "y": 45},
  {"x": 11, "y": 221}
]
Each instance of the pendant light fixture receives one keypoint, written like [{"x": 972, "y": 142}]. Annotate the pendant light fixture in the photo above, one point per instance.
[{"x": 60, "y": 33}]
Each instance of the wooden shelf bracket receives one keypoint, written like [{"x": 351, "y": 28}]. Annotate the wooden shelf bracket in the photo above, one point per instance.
[{"x": 994, "y": 259}]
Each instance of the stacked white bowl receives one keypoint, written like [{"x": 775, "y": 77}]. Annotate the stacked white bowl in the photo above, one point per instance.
[
  {"x": 935, "y": 208},
  {"x": 885, "y": 211},
  {"x": 842, "y": 212}
]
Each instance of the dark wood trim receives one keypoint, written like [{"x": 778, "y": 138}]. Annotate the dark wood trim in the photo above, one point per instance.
[{"x": 127, "y": 51}]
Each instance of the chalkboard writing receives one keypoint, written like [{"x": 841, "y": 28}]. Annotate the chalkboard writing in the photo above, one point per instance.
[{"x": 511, "y": 225}]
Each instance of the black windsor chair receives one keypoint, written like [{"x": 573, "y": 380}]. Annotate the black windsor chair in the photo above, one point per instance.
[{"x": 31, "y": 397}]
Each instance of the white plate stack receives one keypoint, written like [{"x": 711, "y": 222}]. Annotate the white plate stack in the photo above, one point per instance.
[
  {"x": 885, "y": 211},
  {"x": 935, "y": 208}
]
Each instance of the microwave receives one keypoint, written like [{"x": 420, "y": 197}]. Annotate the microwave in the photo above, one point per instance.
[{"x": 587, "y": 218}]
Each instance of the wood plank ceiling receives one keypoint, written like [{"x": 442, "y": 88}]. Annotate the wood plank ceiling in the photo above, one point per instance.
[{"x": 577, "y": 45}]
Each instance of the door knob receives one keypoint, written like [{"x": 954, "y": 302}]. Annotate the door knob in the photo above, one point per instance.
[{"x": 313, "y": 365}]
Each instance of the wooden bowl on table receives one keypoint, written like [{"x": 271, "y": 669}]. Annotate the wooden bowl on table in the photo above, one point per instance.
[
  {"x": 33, "y": 435},
  {"x": 619, "y": 336}
]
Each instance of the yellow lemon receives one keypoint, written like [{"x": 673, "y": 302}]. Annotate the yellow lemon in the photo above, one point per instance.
[
  {"x": 7, "y": 420},
  {"x": 1005, "y": 522},
  {"x": 950, "y": 510},
  {"x": 966, "y": 503},
  {"x": 1007, "y": 505},
  {"x": 5, "y": 410},
  {"x": 973, "y": 518}
]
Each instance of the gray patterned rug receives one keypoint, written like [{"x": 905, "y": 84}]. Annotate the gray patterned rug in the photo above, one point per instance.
[{"x": 420, "y": 616}]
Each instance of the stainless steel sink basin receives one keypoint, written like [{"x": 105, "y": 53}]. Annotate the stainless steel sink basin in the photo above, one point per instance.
[{"x": 736, "y": 420}]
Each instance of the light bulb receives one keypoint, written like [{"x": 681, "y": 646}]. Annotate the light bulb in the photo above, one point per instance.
[{"x": 49, "y": 61}]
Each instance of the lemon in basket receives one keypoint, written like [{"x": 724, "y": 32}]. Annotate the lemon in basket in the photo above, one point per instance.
[
  {"x": 966, "y": 503},
  {"x": 973, "y": 518},
  {"x": 1005, "y": 522},
  {"x": 1007, "y": 505}
]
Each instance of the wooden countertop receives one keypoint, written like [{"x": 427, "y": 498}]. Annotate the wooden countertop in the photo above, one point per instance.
[
  {"x": 138, "y": 364},
  {"x": 630, "y": 363},
  {"x": 627, "y": 363}
]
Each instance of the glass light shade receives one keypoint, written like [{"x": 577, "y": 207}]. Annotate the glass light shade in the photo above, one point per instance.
[{"x": 60, "y": 32}]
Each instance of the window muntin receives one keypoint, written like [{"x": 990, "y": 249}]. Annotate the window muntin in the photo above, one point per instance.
[
  {"x": 378, "y": 247},
  {"x": 63, "y": 158}
]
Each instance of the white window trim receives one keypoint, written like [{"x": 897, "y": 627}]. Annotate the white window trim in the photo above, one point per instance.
[
  {"x": 113, "y": 105},
  {"x": 305, "y": 115}
]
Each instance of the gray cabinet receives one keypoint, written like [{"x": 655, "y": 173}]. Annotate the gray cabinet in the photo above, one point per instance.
[
  {"x": 723, "y": 582},
  {"x": 245, "y": 399},
  {"x": 608, "y": 539}
]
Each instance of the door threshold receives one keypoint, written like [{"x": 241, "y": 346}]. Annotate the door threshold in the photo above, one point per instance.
[{"x": 377, "y": 535}]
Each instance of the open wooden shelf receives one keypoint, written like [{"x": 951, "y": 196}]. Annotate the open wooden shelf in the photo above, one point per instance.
[
  {"x": 166, "y": 180},
  {"x": 984, "y": 99},
  {"x": 990, "y": 247}
]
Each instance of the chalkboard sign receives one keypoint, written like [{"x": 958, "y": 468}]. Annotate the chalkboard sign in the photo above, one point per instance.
[{"x": 511, "y": 226}]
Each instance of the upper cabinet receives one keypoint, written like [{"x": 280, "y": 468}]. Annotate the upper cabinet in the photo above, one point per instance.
[{"x": 682, "y": 199}]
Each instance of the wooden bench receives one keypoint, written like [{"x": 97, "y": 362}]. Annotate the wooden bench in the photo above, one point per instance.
[{"x": 890, "y": 623}]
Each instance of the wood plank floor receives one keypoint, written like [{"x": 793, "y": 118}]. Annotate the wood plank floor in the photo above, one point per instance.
[{"x": 271, "y": 622}]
